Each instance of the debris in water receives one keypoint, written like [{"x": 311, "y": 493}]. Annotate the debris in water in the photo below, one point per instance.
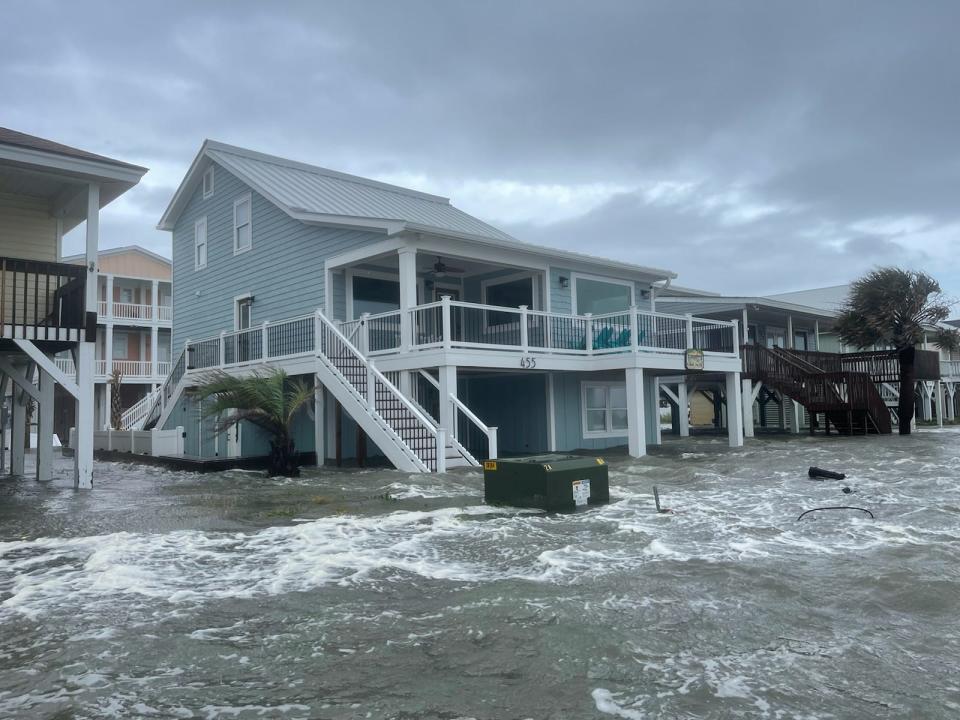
[
  {"x": 815, "y": 472},
  {"x": 846, "y": 491},
  {"x": 836, "y": 507},
  {"x": 656, "y": 499}
]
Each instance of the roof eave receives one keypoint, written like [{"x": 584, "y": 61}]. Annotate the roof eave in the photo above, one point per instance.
[
  {"x": 766, "y": 302},
  {"x": 170, "y": 216}
]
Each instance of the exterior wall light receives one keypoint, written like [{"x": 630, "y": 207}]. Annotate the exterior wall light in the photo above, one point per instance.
[{"x": 564, "y": 281}]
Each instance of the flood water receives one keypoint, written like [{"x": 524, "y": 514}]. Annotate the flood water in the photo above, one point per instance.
[{"x": 376, "y": 594}]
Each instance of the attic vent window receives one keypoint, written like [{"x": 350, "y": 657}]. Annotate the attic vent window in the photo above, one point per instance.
[{"x": 208, "y": 183}]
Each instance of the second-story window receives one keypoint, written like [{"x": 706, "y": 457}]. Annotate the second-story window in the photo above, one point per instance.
[
  {"x": 121, "y": 346},
  {"x": 208, "y": 183},
  {"x": 242, "y": 234},
  {"x": 200, "y": 244}
]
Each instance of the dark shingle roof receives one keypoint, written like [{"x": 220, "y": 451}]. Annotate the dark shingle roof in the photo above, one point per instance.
[{"x": 13, "y": 137}]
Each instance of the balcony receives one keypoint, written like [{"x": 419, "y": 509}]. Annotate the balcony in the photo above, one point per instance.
[
  {"x": 950, "y": 370},
  {"x": 502, "y": 334},
  {"x": 453, "y": 324},
  {"x": 132, "y": 371},
  {"x": 134, "y": 313},
  {"x": 42, "y": 300}
]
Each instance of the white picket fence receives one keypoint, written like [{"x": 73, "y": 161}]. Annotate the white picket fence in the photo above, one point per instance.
[{"x": 138, "y": 442}]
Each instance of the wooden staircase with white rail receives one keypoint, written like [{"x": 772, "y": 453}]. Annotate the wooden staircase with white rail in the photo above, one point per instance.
[{"x": 401, "y": 429}]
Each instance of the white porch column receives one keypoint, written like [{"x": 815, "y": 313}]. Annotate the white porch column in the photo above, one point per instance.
[
  {"x": 746, "y": 402},
  {"x": 154, "y": 350},
  {"x": 108, "y": 365},
  {"x": 816, "y": 335},
  {"x": 651, "y": 393},
  {"x": 319, "y": 416},
  {"x": 407, "y": 261},
  {"x": 951, "y": 390},
  {"x": 18, "y": 431},
  {"x": 793, "y": 410},
  {"x": 939, "y": 398},
  {"x": 636, "y": 413},
  {"x": 734, "y": 411},
  {"x": 448, "y": 388},
  {"x": 684, "y": 408},
  {"x": 789, "y": 339},
  {"x": 5, "y": 382},
  {"x": 155, "y": 300},
  {"x": 45, "y": 427},
  {"x": 926, "y": 401},
  {"x": 83, "y": 453},
  {"x": 109, "y": 298}
]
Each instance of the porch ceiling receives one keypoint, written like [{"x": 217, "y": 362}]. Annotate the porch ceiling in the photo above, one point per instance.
[
  {"x": 38, "y": 168},
  {"x": 389, "y": 265}
]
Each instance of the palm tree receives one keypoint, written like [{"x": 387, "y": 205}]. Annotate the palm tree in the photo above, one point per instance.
[
  {"x": 268, "y": 400},
  {"x": 890, "y": 307}
]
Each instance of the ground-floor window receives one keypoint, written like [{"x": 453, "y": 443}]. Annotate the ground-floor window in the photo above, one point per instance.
[{"x": 604, "y": 407}]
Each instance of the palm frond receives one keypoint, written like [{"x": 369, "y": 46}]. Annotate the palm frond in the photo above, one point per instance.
[
  {"x": 891, "y": 306},
  {"x": 267, "y": 399}
]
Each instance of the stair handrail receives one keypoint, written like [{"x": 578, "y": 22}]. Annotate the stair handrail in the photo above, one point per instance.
[
  {"x": 489, "y": 431},
  {"x": 789, "y": 354},
  {"x": 178, "y": 369},
  {"x": 436, "y": 432},
  {"x": 138, "y": 411}
]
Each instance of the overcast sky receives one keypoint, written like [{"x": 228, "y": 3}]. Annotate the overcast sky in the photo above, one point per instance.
[{"x": 750, "y": 147}]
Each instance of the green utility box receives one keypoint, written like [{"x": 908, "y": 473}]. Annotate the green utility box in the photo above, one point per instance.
[{"x": 549, "y": 482}]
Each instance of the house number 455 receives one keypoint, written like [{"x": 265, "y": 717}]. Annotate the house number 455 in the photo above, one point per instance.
[{"x": 528, "y": 363}]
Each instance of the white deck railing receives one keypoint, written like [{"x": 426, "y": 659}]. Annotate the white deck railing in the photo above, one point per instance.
[
  {"x": 130, "y": 369},
  {"x": 136, "y": 312},
  {"x": 453, "y": 324},
  {"x": 133, "y": 417},
  {"x": 950, "y": 369}
]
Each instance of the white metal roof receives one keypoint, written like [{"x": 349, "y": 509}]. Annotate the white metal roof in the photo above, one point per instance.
[
  {"x": 710, "y": 304},
  {"x": 318, "y": 195},
  {"x": 120, "y": 251},
  {"x": 825, "y": 298}
]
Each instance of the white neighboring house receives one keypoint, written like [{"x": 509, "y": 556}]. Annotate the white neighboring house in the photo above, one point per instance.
[
  {"x": 46, "y": 306},
  {"x": 134, "y": 314}
]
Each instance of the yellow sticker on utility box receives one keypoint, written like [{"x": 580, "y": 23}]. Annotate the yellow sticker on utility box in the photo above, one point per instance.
[{"x": 489, "y": 465}]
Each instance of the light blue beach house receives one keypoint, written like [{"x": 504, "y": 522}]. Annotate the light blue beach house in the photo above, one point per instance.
[{"x": 435, "y": 336}]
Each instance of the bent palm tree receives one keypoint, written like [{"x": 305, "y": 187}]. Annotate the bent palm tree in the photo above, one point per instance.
[
  {"x": 890, "y": 307},
  {"x": 269, "y": 400}
]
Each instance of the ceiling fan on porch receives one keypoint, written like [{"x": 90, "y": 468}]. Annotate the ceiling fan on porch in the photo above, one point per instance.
[{"x": 441, "y": 269}]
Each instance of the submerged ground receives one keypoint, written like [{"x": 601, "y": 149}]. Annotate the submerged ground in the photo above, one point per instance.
[{"x": 374, "y": 594}]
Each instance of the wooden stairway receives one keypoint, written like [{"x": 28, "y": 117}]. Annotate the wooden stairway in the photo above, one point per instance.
[{"x": 849, "y": 401}]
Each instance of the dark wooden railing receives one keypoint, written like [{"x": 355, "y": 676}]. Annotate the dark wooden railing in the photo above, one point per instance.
[
  {"x": 818, "y": 390},
  {"x": 37, "y": 298},
  {"x": 880, "y": 365}
]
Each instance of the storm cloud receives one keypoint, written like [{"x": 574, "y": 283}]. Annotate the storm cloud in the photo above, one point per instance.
[{"x": 751, "y": 147}]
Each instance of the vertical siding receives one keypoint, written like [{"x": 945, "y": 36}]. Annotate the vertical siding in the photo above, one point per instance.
[
  {"x": 284, "y": 270},
  {"x": 516, "y": 405}
]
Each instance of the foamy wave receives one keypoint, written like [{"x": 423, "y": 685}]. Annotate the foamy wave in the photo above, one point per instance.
[{"x": 196, "y": 567}]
